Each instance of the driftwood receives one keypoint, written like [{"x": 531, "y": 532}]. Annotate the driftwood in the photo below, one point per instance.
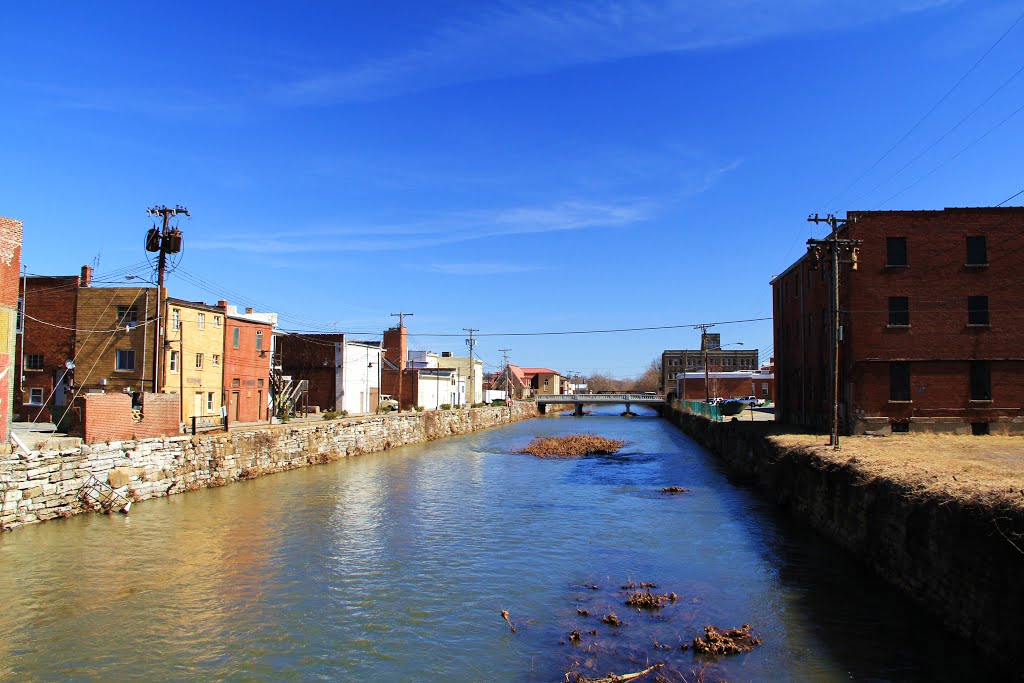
[
  {"x": 504, "y": 615},
  {"x": 613, "y": 678}
]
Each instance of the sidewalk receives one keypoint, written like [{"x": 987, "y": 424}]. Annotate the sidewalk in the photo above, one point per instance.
[{"x": 44, "y": 435}]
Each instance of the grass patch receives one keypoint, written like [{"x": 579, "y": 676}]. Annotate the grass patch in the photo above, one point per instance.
[{"x": 572, "y": 446}]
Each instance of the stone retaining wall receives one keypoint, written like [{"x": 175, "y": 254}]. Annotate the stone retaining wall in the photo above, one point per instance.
[
  {"x": 952, "y": 558},
  {"x": 48, "y": 484}
]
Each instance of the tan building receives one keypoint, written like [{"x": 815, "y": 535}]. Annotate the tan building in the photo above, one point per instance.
[
  {"x": 193, "y": 357},
  {"x": 114, "y": 344}
]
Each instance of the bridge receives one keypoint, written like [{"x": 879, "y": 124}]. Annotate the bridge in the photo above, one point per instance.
[{"x": 580, "y": 400}]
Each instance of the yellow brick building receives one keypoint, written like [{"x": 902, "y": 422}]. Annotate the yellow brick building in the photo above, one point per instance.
[
  {"x": 193, "y": 357},
  {"x": 114, "y": 343}
]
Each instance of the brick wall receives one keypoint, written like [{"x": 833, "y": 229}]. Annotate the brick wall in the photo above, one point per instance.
[
  {"x": 10, "y": 267},
  {"x": 108, "y": 417},
  {"x": 246, "y": 374},
  {"x": 48, "y": 331}
]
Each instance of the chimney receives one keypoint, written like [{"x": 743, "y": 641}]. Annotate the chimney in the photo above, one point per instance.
[
  {"x": 250, "y": 310},
  {"x": 86, "y": 276},
  {"x": 396, "y": 345},
  {"x": 222, "y": 304}
]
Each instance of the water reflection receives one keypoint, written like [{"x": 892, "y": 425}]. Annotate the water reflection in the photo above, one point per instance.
[{"x": 394, "y": 566}]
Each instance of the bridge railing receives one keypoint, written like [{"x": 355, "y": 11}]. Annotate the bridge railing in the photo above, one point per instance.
[{"x": 600, "y": 398}]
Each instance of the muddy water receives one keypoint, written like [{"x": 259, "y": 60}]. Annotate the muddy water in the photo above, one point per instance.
[{"x": 395, "y": 566}]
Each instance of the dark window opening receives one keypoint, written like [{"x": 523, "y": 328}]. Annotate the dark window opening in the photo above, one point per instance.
[
  {"x": 981, "y": 380},
  {"x": 125, "y": 360},
  {"x": 127, "y": 315},
  {"x": 899, "y": 310},
  {"x": 900, "y": 427},
  {"x": 33, "y": 361},
  {"x": 977, "y": 310},
  {"x": 977, "y": 253},
  {"x": 895, "y": 251},
  {"x": 899, "y": 381},
  {"x": 979, "y": 428}
]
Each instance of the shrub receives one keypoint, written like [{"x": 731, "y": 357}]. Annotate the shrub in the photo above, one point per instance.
[
  {"x": 383, "y": 409},
  {"x": 330, "y": 414},
  {"x": 344, "y": 413},
  {"x": 446, "y": 406},
  {"x": 479, "y": 405},
  {"x": 499, "y": 402},
  {"x": 419, "y": 409}
]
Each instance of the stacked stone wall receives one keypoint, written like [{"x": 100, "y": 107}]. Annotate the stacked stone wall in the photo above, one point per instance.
[
  {"x": 954, "y": 558},
  {"x": 48, "y": 484}
]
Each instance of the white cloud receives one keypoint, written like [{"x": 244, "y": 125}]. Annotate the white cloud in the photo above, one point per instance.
[
  {"x": 451, "y": 228},
  {"x": 481, "y": 268},
  {"x": 539, "y": 37}
]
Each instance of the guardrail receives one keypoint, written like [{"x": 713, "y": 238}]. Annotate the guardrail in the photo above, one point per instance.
[
  {"x": 599, "y": 398},
  {"x": 203, "y": 422},
  {"x": 702, "y": 408}
]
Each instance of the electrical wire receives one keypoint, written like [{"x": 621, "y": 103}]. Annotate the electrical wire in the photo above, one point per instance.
[{"x": 1013, "y": 196}]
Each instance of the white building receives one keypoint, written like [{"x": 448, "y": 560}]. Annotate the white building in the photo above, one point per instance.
[
  {"x": 439, "y": 386},
  {"x": 359, "y": 382}
]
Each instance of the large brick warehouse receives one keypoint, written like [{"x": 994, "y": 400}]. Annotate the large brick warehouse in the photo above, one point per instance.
[{"x": 932, "y": 325}]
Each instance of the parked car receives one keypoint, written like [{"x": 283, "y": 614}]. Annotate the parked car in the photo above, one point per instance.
[
  {"x": 731, "y": 407},
  {"x": 388, "y": 403},
  {"x": 747, "y": 400}
]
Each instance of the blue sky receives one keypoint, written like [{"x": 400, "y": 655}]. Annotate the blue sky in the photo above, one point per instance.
[{"x": 511, "y": 167}]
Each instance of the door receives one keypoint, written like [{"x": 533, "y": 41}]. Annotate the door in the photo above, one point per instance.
[
  {"x": 259, "y": 404},
  {"x": 234, "y": 404},
  {"x": 197, "y": 404}
]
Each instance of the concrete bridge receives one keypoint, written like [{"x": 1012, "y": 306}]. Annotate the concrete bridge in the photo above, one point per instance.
[{"x": 580, "y": 400}]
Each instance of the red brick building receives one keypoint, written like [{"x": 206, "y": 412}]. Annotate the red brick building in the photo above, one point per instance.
[
  {"x": 932, "y": 333},
  {"x": 10, "y": 267},
  {"x": 724, "y": 385},
  {"x": 46, "y": 341},
  {"x": 247, "y": 353},
  {"x": 317, "y": 359}
]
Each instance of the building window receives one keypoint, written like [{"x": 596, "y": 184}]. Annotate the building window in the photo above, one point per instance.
[
  {"x": 259, "y": 340},
  {"x": 259, "y": 382},
  {"x": 895, "y": 251},
  {"x": 174, "y": 361},
  {"x": 209, "y": 401},
  {"x": 764, "y": 388},
  {"x": 199, "y": 361},
  {"x": 981, "y": 380},
  {"x": 977, "y": 310},
  {"x": 977, "y": 252},
  {"x": 33, "y": 361},
  {"x": 125, "y": 360},
  {"x": 127, "y": 315},
  {"x": 175, "y": 318},
  {"x": 899, "y": 311},
  {"x": 201, "y": 321},
  {"x": 236, "y": 382},
  {"x": 234, "y": 338},
  {"x": 216, "y": 360},
  {"x": 19, "y": 325},
  {"x": 35, "y": 396},
  {"x": 899, "y": 381},
  {"x": 216, "y": 321}
]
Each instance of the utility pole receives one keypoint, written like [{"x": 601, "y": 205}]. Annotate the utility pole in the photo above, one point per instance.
[
  {"x": 471, "y": 343},
  {"x": 163, "y": 241},
  {"x": 401, "y": 361},
  {"x": 703, "y": 327},
  {"x": 508, "y": 371},
  {"x": 835, "y": 247}
]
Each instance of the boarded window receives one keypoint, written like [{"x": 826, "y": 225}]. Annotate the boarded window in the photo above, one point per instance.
[
  {"x": 895, "y": 251},
  {"x": 899, "y": 381},
  {"x": 899, "y": 310},
  {"x": 234, "y": 338},
  {"x": 977, "y": 251},
  {"x": 981, "y": 380},
  {"x": 977, "y": 310}
]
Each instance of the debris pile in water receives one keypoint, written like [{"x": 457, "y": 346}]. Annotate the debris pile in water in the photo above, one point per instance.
[
  {"x": 572, "y": 446},
  {"x": 674, "y": 489},
  {"x": 649, "y": 600},
  {"x": 731, "y": 641}
]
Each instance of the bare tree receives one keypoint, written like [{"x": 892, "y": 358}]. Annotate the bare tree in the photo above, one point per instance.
[{"x": 650, "y": 380}]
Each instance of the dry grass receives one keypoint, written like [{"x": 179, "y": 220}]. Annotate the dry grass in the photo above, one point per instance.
[
  {"x": 982, "y": 469},
  {"x": 572, "y": 446}
]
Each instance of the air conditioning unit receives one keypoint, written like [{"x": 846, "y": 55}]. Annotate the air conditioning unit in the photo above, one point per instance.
[{"x": 446, "y": 354}]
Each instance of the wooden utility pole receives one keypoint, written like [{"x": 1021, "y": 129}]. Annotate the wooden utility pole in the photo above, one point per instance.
[
  {"x": 703, "y": 327},
  {"x": 401, "y": 361},
  {"x": 508, "y": 371},
  {"x": 472, "y": 382},
  {"x": 835, "y": 247},
  {"x": 163, "y": 241}
]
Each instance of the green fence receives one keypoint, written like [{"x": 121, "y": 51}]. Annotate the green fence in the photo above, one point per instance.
[{"x": 701, "y": 408}]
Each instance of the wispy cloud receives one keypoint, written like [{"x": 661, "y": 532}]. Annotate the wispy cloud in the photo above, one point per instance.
[
  {"x": 539, "y": 37},
  {"x": 481, "y": 268},
  {"x": 446, "y": 229},
  {"x": 701, "y": 184}
]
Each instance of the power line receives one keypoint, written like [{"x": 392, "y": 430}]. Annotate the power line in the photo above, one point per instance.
[
  {"x": 927, "y": 113},
  {"x": 1013, "y": 196},
  {"x": 608, "y": 331}
]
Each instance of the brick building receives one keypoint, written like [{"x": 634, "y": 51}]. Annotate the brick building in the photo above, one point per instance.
[
  {"x": 316, "y": 358},
  {"x": 247, "y": 354},
  {"x": 760, "y": 383},
  {"x": 10, "y": 267},
  {"x": 46, "y": 342},
  {"x": 691, "y": 361},
  {"x": 932, "y": 333}
]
